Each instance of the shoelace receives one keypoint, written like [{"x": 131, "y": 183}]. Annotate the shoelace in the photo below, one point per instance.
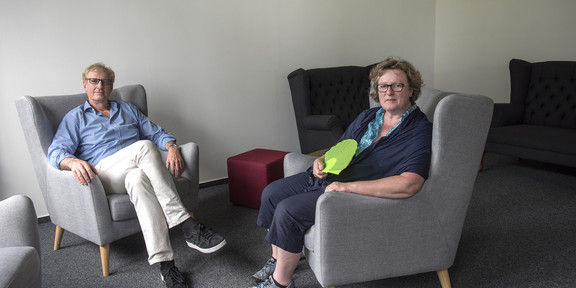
[
  {"x": 174, "y": 275},
  {"x": 269, "y": 264},
  {"x": 206, "y": 233}
]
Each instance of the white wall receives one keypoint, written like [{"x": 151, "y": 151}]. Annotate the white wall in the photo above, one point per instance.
[
  {"x": 475, "y": 40},
  {"x": 215, "y": 70}
]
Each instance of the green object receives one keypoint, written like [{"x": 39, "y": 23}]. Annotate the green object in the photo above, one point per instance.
[{"x": 339, "y": 156}]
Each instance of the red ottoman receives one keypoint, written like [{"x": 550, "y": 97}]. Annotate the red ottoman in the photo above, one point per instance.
[{"x": 250, "y": 172}]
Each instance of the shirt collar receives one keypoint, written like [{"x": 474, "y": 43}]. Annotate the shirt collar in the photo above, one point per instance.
[{"x": 87, "y": 107}]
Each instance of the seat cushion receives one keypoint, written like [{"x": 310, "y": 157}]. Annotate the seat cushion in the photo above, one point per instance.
[
  {"x": 543, "y": 138},
  {"x": 19, "y": 267},
  {"x": 121, "y": 208}
]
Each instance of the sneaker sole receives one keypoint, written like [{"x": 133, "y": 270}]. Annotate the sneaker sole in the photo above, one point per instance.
[{"x": 207, "y": 250}]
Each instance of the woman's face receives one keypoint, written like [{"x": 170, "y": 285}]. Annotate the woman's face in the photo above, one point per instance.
[{"x": 393, "y": 101}]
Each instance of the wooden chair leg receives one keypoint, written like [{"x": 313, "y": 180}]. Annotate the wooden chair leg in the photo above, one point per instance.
[
  {"x": 105, "y": 258},
  {"x": 58, "y": 237},
  {"x": 191, "y": 214},
  {"x": 481, "y": 162},
  {"x": 444, "y": 278}
]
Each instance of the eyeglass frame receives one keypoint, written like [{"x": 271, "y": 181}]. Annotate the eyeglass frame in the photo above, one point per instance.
[
  {"x": 96, "y": 81},
  {"x": 386, "y": 86}
]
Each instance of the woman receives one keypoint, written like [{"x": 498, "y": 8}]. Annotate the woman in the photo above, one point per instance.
[{"x": 391, "y": 161}]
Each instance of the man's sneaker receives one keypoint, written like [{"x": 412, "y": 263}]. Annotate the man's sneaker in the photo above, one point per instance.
[
  {"x": 269, "y": 283},
  {"x": 266, "y": 271},
  {"x": 202, "y": 238},
  {"x": 174, "y": 279}
]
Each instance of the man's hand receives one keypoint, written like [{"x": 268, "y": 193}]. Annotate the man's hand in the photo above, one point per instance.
[
  {"x": 175, "y": 162},
  {"x": 82, "y": 170}
]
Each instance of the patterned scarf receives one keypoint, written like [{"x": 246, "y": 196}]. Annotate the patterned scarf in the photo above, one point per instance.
[{"x": 374, "y": 128}]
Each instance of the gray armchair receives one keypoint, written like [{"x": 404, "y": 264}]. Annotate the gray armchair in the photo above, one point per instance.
[
  {"x": 86, "y": 210},
  {"x": 358, "y": 238},
  {"x": 20, "y": 264}
]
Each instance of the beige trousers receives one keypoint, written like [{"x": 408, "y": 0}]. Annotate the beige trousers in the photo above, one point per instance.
[{"x": 139, "y": 171}]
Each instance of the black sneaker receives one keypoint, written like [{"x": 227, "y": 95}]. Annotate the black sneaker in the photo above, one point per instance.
[
  {"x": 202, "y": 238},
  {"x": 266, "y": 271},
  {"x": 173, "y": 278}
]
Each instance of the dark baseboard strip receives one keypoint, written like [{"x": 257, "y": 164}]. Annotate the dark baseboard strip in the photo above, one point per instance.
[{"x": 213, "y": 183}]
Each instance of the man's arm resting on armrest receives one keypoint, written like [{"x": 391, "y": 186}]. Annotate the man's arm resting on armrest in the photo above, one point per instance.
[{"x": 82, "y": 170}]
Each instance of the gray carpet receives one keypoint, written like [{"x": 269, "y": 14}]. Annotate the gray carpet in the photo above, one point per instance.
[{"x": 520, "y": 232}]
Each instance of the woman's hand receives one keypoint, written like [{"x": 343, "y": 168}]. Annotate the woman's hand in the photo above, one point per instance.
[
  {"x": 317, "y": 168},
  {"x": 338, "y": 187}
]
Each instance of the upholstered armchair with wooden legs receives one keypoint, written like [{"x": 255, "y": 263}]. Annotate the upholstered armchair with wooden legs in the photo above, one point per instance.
[
  {"x": 359, "y": 238},
  {"x": 86, "y": 210}
]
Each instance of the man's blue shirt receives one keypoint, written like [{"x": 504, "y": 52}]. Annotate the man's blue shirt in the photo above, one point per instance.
[{"x": 91, "y": 136}]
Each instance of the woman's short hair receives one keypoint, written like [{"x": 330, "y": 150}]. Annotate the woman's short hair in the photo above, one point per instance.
[
  {"x": 100, "y": 66},
  {"x": 415, "y": 81}
]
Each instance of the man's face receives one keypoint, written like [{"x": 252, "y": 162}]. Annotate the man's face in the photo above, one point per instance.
[{"x": 99, "y": 92}]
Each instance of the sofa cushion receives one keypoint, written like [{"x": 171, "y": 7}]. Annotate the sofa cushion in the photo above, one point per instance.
[
  {"x": 544, "y": 138},
  {"x": 20, "y": 267}
]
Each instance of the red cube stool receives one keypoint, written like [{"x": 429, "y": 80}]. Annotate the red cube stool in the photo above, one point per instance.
[{"x": 250, "y": 172}]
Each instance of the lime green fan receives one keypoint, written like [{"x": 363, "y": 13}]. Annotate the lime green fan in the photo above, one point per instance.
[{"x": 339, "y": 156}]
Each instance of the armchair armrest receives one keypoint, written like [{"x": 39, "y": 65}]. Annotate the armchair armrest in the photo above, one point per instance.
[
  {"x": 402, "y": 229},
  {"x": 75, "y": 207},
  {"x": 19, "y": 223},
  {"x": 190, "y": 154},
  {"x": 295, "y": 163}
]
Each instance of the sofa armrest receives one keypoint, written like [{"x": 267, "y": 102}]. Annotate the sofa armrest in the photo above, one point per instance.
[
  {"x": 321, "y": 122},
  {"x": 505, "y": 114}
]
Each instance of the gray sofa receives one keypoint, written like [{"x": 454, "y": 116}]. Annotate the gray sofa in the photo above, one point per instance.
[
  {"x": 539, "y": 123},
  {"x": 19, "y": 244},
  {"x": 358, "y": 238}
]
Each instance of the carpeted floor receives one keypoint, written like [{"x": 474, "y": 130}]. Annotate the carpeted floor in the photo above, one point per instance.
[{"x": 520, "y": 232}]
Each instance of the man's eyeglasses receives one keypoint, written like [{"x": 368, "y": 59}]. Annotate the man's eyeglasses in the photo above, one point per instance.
[
  {"x": 96, "y": 81},
  {"x": 396, "y": 87}
]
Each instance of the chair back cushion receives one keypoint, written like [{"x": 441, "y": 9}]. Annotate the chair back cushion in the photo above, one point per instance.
[{"x": 340, "y": 91}]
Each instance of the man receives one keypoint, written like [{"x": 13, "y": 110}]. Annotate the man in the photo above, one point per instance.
[{"x": 114, "y": 140}]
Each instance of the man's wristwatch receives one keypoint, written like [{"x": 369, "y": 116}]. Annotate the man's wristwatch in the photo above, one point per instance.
[{"x": 173, "y": 145}]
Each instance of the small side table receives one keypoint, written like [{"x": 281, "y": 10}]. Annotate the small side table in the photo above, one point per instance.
[{"x": 250, "y": 172}]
